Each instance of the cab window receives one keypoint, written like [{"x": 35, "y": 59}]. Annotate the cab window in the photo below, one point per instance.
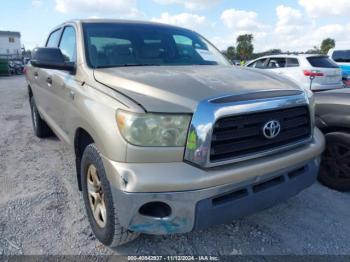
[
  {"x": 68, "y": 44},
  {"x": 53, "y": 38}
]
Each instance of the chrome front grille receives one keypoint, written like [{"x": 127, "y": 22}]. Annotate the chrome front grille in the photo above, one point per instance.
[
  {"x": 238, "y": 136},
  {"x": 228, "y": 129}
]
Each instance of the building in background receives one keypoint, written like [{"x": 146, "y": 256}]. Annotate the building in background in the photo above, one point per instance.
[{"x": 10, "y": 44}]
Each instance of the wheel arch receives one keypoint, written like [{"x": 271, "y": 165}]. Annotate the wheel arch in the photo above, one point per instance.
[
  {"x": 335, "y": 129},
  {"x": 82, "y": 139}
]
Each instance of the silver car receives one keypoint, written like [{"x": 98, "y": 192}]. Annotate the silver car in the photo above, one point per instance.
[{"x": 325, "y": 73}]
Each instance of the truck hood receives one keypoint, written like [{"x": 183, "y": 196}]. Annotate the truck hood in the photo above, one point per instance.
[{"x": 179, "y": 89}]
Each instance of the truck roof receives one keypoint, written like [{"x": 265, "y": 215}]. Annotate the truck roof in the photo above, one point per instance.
[{"x": 121, "y": 21}]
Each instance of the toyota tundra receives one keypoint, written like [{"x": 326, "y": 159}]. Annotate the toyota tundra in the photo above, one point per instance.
[{"x": 168, "y": 136}]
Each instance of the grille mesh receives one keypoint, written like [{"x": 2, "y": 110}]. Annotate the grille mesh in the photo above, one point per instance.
[{"x": 238, "y": 136}]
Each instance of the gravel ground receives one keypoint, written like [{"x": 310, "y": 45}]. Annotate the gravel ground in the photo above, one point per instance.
[{"x": 41, "y": 209}]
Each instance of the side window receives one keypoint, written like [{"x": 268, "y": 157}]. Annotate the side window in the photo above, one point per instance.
[
  {"x": 260, "y": 63},
  {"x": 182, "y": 40},
  {"x": 184, "y": 45},
  {"x": 53, "y": 38},
  {"x": 292, "y": 62},
  {"x": 68, "y": 44},
  {"x": 277, "y": 62}
]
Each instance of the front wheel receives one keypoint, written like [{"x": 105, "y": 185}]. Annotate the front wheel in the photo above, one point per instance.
[
  {"x": 335, "y": 165},
  {"x": 100, "y": 207}
]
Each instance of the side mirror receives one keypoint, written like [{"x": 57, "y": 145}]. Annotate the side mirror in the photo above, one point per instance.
[{"x": 51, "y": 58}]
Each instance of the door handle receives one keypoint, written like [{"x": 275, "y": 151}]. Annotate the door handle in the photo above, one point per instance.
[{"x": 49, "y": 81}]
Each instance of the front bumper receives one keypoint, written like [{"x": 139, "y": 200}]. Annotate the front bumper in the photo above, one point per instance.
[
  {"x": 252, "y": 188},
  {"x": 202, "y": 208}
]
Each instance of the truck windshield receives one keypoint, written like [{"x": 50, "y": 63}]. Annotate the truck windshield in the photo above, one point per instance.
[{"x": 128, "y": 44}]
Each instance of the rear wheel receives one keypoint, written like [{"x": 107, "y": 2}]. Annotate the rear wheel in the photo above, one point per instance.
[
  {"x": 100, "y": 207},
  {"x": 335, "y": 165},
  {"x": 41, "y": 129}
]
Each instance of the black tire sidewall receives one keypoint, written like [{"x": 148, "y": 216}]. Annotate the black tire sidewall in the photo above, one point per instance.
[
  {"x": 92, "y": 156},
  {"x": 34, "y": 111},
  {"x": 340, "y": 185},
  {"x": 41, "y": 129}
]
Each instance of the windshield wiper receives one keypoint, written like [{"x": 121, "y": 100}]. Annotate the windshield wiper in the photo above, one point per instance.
[
  {"x": 126, "y": 65},
  {"x": 141, "y": 65}
]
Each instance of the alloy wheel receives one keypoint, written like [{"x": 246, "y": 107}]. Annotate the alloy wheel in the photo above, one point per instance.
[{"x": 96, "y": 196}]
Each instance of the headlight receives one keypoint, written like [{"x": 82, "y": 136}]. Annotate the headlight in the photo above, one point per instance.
[{"x": 153, "y": 129}]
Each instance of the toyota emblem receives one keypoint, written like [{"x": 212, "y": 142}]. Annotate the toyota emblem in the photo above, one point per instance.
[{"x": 272, "y": 129}]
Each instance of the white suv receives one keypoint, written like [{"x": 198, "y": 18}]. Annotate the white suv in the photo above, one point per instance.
[{"x": 326, "y": 73}]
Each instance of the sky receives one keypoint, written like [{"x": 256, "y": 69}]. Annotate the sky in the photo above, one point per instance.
[{"x": 290, "y": 25}]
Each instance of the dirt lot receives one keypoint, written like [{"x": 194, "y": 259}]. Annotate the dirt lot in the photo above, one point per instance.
[{"x": 41, "y": 210}]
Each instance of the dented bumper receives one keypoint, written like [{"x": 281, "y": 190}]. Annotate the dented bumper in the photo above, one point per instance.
[
  {"x": 198, "y": 198},
  {"x": 202, "y": 208}
]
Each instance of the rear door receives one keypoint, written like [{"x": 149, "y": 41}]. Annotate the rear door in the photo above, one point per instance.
[
  {"x": 41, "y": 81},
  {"x": 64, "y": 83},
  {"x": 288, "y": 67},
  {"x": 292, "y": 69},
  {"x": 328, "y": 72}
]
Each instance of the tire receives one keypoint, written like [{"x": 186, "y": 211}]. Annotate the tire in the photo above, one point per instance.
[
  {"x": 335, "y": 165},
  {"x": 106, "y": 226},
  {"x": 41, "y": 129}
]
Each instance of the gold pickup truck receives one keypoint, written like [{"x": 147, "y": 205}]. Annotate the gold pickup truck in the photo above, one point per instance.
[{"x": 168, "y": 136}]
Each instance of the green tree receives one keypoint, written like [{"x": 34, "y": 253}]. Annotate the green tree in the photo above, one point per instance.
[
  {"x": 327, "y": 44},
  {"x": 245, "y": 46},
  {"x": 230, "y": 52}
]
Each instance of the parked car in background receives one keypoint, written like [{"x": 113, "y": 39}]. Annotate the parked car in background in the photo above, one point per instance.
[
  {"x": 168, "y": 136},
  {"x": 333, "y": 118},
  {"x": 327, "y": 74},
  {"x": 19, "y": 67},
  {"x": 16, "y": 67},
  {"x": 5, "y": 68},
  {"x": 342, "y": 58}
]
